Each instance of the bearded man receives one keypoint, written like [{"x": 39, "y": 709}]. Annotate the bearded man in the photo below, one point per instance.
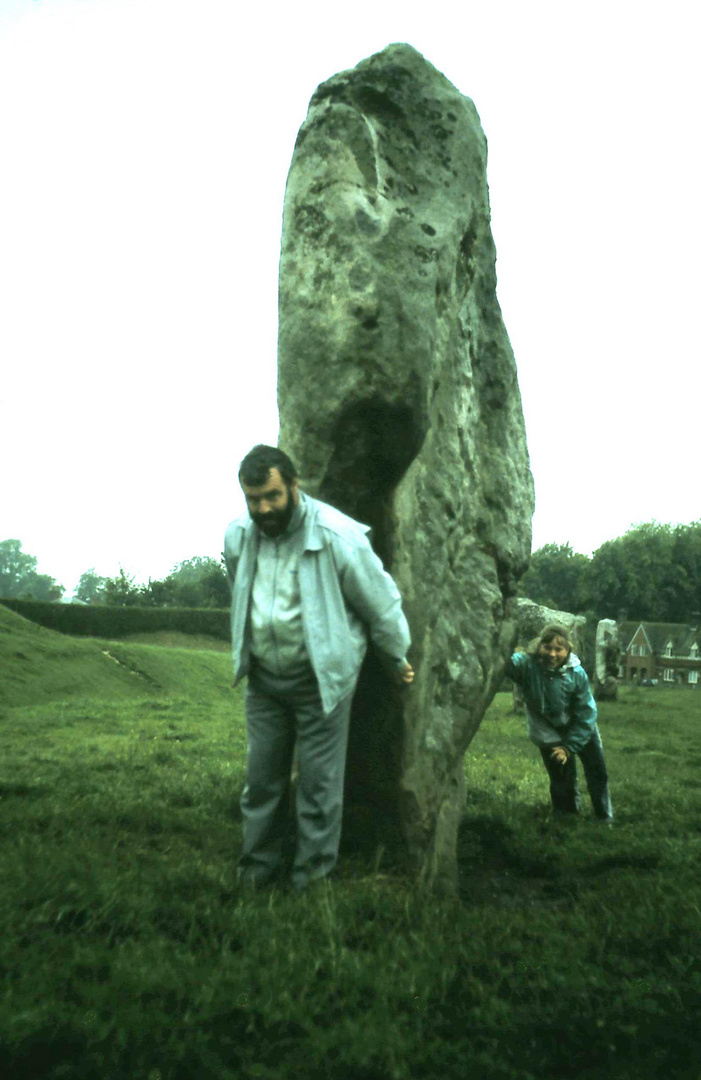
[{"x": 307, "y": 590}]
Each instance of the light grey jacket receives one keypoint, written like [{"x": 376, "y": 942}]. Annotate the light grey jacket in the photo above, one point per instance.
[{"x": 346, "y": 593}]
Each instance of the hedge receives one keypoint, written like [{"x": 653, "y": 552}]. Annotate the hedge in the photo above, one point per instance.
[{"x": 86, "y": 620}]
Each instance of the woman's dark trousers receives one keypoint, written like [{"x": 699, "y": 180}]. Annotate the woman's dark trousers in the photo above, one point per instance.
[{"x": 564, "y": 790}]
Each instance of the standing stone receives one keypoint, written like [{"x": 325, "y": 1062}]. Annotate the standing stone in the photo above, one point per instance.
[
  {"x": 399, "y": 403},
  {"x": 532, "y": 620},
  {"x": 607, "y": 662}
]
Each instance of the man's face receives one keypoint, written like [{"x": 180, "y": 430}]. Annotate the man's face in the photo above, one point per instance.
[{"x": 271, "y": 505}]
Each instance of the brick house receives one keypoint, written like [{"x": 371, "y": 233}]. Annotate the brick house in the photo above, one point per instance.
[{"x": 668, "y": 652}]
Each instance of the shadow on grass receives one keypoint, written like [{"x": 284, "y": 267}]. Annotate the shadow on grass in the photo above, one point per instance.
[
  {"x": 235, "y": 1042},
  {"x": 23, "y": 791},
  {"x": 502, "y": 863},
  {"x": 594, "y": 1045}
]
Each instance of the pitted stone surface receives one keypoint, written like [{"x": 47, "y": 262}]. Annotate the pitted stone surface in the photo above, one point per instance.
[{"x": 399, "y": 403}]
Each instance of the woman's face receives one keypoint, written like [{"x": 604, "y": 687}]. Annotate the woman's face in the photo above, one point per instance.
[{"x": 554, "y": 653}]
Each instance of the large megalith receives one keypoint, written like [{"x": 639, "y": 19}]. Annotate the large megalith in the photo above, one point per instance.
[{"x": 399, "y": 402}]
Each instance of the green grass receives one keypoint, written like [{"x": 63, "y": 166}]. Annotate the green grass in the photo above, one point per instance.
[
  {"x": 128, "y": 952},
  {"x": 40, "y": 665}
]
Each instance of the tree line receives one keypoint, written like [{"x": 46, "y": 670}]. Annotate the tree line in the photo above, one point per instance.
[
  {"x": 193, "y": 583},
  {"x": 652, "y": 572}
]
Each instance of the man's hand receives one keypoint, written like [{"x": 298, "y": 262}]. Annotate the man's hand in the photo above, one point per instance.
[
  {"x": 559, "y": 754},
  {"x": 407, "y": 674}
]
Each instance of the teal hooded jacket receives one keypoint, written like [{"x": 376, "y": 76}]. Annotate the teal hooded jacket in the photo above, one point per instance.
[
  {"x": 346, "y": 594},
  {"x": 560, "y": 706}
]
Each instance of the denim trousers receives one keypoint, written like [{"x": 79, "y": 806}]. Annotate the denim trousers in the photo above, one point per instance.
[
  {"x": 564, "y": 790},
  {"x": 282, "y": 712}
]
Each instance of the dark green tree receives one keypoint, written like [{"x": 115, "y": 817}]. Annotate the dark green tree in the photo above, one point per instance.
[
  {"x": 558, "y": 577},
  {"x": 19, "y": 578},
  {"x": 686, "y": 572},
  {"x": 636, "y": 574},
  {"x": 91, "y": 587},
  {"x": 121, "y": 591},
  {"x": 197, "y": 583}
]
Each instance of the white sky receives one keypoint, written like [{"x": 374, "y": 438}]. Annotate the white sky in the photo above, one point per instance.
[{"x": 144, "y": 150}]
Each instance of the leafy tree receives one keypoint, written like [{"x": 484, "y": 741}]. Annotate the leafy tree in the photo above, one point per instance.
[
  {"x": 90, "y": 588},
  {"x": 197, "y": 582},
  {"x": 558, "y": 577},
  {"x": 638, "y": 573},
  {"x": 15, "y": 567},
  {"x": 121, "y": 591},
  {"x": 19, "y": 578},
  {"x": 687, "y": 566}
]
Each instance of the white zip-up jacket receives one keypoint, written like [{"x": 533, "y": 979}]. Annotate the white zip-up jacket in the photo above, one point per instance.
[
  {"x": 277, "y": 632},
  {"x": 345, "y": 595}
]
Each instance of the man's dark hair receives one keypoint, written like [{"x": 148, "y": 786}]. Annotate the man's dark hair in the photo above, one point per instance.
[{"x": 255, "y": 467}]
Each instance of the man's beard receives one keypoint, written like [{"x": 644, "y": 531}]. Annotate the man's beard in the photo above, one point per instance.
[{"x": 275, "y": 522}]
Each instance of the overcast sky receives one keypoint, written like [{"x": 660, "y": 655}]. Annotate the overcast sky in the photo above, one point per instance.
[{"x": 145, "y": 146}]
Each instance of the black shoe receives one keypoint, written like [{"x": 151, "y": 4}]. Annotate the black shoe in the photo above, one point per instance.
[
  {"x": 253, "y": 883},
  {"x": 318, "y": 883},
  {"x": 564, "y": 817}
]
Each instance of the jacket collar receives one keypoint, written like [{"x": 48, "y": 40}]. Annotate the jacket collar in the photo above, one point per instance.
[{"x": 313, "y": 537}]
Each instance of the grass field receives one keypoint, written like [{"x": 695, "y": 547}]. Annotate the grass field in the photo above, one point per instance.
[{"x": 128, "y": 952}]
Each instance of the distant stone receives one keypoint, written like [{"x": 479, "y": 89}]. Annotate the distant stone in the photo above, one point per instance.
[
  {"x": 532, "y": 620},
  {"x": 400, "y": 404},
  {"x": 607, "y": 661}
]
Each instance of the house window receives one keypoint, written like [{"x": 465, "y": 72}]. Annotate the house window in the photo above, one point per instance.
[
  {"x": 644, "y": 650},
  {"x": 668, "y": 675},
  {"x": 693, "y": 678},
  {"x": 635, "y": 650},
  {"x": 694, "y": 650}
]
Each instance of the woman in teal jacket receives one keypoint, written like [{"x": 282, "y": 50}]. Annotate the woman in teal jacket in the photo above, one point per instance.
[{"x": 561, "y": 715}]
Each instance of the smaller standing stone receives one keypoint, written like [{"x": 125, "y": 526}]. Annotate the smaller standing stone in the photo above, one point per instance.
[
  {"x": 608, "y": 652},
  {"x": 532, "y": 619}
]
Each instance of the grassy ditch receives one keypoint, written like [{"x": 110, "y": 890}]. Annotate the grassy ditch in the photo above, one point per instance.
[
  {"x": 38, "y": 665},
  {"x": 128, "y": 952}
]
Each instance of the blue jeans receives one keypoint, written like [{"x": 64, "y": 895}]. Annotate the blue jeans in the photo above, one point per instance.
[
  {"x": 279, "y": 713},
  {"x": 564, "y": 790}
]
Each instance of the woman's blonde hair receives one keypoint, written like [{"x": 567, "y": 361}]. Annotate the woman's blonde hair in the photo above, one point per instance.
[{"x": 546, "y": 635}]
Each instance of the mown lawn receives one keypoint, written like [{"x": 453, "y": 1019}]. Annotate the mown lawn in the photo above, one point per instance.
[{"x": 128, "y": 952}]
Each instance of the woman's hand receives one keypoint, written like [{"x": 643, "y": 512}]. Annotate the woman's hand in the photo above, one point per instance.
[{"x": 559, "y": 754}]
